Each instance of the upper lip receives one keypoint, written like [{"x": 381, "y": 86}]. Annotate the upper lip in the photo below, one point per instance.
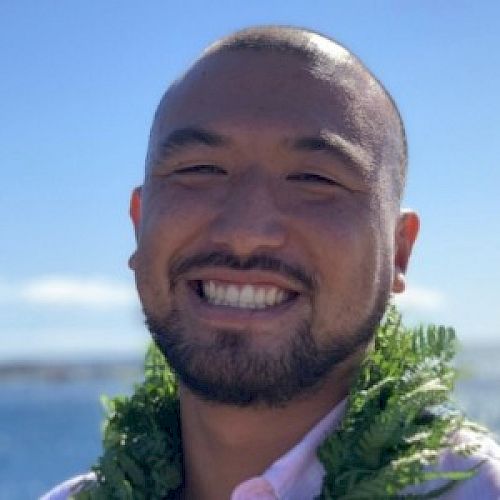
[{"x": 237, "y": 277}]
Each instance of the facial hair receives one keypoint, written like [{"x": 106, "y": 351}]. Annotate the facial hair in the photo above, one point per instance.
[{"x": 228, "y": 371}]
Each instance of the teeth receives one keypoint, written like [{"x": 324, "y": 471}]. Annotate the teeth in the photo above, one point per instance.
[
  {"x": 232, "y": 295},
  {"x": 246, "y": 296},
  {"x": 211, "y": 288},
  {"x": 260, "y": 298},
  {"x": 219, "y": 295},
  {"x": 271, "y": 296}
]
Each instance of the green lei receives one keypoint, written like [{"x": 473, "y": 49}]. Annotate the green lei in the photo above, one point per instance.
[{"x": 396, "y": 424}]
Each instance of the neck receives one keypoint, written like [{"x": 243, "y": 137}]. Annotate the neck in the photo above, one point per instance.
[{"x": 235, "y": 444}]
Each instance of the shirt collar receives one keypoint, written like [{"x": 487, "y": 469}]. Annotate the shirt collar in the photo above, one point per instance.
[{"x": 299, "y": 474}]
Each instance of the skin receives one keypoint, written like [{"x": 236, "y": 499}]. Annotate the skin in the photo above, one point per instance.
[{"x": 347, "y": 233}]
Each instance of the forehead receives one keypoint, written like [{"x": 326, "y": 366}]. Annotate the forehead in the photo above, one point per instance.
[{"x": 270, "y": 97}]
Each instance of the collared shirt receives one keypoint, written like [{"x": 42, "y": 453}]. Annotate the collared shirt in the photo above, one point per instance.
[{"x": 298, "y": 475}]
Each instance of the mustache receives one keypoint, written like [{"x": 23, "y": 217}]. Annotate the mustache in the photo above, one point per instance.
[{"x": 255, "y": 262}]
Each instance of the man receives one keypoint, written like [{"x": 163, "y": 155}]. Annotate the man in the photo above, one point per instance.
[{"x": 269, "y": 240}]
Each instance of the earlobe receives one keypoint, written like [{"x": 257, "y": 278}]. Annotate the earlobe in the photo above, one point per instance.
[
  {"x": 399, "y": 283},
  {"x": 406, "y": 233},
  {"x": 131, "y": 261}
]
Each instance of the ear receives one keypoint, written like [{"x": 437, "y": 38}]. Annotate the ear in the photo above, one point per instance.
[
  {"x": 135, "y": 215},
  {"x": 405, "y": 235},
  {"x": 135, "y": 209}
]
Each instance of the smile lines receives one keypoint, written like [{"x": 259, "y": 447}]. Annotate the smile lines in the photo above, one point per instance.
[{"x": 244, "y": 296}]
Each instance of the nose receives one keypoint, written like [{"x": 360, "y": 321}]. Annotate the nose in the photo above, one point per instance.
[{"x": 249, "y": 220}]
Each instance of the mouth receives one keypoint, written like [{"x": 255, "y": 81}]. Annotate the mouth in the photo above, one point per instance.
[{"x": 248, "y": 296}]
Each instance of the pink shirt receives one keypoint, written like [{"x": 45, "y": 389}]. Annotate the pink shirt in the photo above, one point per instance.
[{"x": 298, "y": 475}]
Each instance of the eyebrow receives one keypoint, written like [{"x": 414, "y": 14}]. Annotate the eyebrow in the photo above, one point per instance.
[
  {"x": 341, "y": 149},
  {"x": 332, "y": 144},
  {"x": 188, "y": 137}
]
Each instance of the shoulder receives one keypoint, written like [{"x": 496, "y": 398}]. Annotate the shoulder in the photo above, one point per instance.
[
  {"x": 70, "y": 487},
  {"x": 485, "y": 484}
]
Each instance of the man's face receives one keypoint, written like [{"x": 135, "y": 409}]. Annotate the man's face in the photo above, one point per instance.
[{"x": 265, "y": 243}]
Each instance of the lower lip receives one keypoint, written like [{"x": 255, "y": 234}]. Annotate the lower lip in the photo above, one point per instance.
[{"x": 236, "y": 317}]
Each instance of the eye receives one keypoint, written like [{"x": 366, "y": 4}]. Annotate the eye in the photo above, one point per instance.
[
  {"x": 200, "y": 169},
  {"x": 313, "y": 178}
]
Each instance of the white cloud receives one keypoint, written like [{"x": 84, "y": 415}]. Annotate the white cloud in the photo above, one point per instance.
[
  {"x": 420, "y": 299},
  {"x": 101, "y": 293},
  {"x": 72, "y": 343}
]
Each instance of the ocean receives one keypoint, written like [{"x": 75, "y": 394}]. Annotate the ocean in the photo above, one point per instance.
[{"x": 50, "y": 419}]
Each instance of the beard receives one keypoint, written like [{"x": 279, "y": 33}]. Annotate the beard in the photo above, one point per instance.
[{"x": 230, "y": 371}]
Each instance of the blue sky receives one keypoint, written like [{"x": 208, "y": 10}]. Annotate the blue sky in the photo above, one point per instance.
[{"x": 80, "y": 82}]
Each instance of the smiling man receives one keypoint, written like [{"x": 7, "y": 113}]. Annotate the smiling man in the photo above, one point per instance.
[
  {"x": 269, "y": 240},
  {"x": 269, "y": 233}
]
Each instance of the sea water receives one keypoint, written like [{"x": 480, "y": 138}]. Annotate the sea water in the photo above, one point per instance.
[{"x": 49, "y": 431}]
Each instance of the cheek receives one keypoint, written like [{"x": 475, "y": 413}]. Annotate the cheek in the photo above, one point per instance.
[
  {"x": 172, "y": 217},
  {"x": 338, "y": 233},
  {"x": 345, "y": 252},
  {"x": 171, "y": 224}
]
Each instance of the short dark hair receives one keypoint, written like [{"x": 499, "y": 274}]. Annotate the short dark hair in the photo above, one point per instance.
[{"x": 297, "y": 41}]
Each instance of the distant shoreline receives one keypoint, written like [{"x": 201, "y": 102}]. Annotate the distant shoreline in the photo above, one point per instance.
[
  {"x": 105, "y": 367},
  {"x": 61, "y": 371}
]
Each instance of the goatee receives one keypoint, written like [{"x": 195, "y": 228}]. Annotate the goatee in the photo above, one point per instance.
[{"x": 231, "y": 371}]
